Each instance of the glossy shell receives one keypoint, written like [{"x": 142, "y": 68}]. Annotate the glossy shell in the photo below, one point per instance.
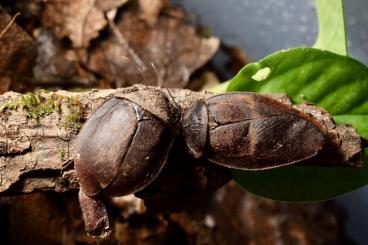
[
  {"x": 120, "y": 149},
  {"x": 250, "y": 131}
]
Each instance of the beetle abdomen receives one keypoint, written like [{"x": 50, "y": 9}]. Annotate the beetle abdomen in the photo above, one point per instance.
[
  {"x": 251, "y": 131},
  {"x": 114, "y": 146}
]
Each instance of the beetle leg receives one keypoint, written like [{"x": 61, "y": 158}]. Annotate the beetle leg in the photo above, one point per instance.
[{"x": 95, "y": 215}]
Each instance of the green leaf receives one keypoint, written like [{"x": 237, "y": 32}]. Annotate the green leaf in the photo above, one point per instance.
[
  {"x": 302, "y": 183},
  {"x": 334, "y": 82},
  {"x": 331, "y": 22}
]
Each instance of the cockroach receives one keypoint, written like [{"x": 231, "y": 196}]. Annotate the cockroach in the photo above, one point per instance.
[
  {"x": 250, "y": 131},
  {"x": 123, "y": 146}
]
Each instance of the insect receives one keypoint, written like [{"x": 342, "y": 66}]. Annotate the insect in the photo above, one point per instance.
[
  {"x": 250, "y": 131},
  {"x": 120, "y": 150},
  {"x": 124, "y": 145}
]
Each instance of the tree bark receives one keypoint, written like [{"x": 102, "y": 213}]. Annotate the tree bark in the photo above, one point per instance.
[{"x": 36, "y": 152}]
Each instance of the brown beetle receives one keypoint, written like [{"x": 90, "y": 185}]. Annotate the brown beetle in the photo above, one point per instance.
[
  {"x": 120, "y": 150},
  {"x": 249, "y": 131},
  {"x": 124, "y": 145}
]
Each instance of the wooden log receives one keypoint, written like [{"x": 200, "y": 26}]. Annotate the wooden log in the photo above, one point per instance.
[{"x": 38, "y": 132}]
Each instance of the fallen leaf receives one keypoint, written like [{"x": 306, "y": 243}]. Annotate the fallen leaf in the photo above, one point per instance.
[
  {"x": 17, "y": 52},
  {"x": 58, "y": 65},
  {"x": 80, "y": 21},
  {"x": 149, "y": 10},
  {"x": 171, "y": 44},
  {"x": 106, "y": 5},
  {"x": 237, "y": 58}
]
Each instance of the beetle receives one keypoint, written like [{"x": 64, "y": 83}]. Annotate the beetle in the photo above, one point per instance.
[
  {"x": 120, "y": 150},
  {"x": 124, "y": 145},
  {"x": 249, "y": 131}
]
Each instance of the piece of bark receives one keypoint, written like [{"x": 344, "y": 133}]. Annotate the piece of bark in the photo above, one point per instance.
[
  {"x": 170, "y": 43},
  {"x": 342, "y": 139},
  {"x": 38, "y": 154},
  {"x": 17, "y": 52}
]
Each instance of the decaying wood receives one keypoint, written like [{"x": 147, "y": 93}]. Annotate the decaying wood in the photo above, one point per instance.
[{"x": 37, "y": 154}]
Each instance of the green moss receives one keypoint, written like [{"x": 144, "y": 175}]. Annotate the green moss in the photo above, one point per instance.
[
  {"x": 36, "y": 105},
  {"x": 74, "y": 117},
  {"x": 43, "y": 103},
  {"x": 62, "y": 154},
  {"x": 8, "y": 105}
]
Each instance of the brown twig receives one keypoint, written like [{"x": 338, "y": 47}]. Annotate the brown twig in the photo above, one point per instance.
[
  {"x": 9, "y": 25},
  {"x": 119, "y": 36}
]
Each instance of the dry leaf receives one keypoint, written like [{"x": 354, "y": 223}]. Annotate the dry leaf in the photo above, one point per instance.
[
  {"x": 57, "y": 65},
  {"x": 170, "y": 43},
  {"x": 17, "y": 52},
  {"x": 150, "y": 9},
  {"x": 238, "y": 58},
  {"x": 106, "y": 5},
  {"x": 80, "y": 21}
]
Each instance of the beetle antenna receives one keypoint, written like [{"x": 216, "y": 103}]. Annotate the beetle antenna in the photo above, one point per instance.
[
  {"x": 161, "y": 81},
  {"x": 141, "y": 71}
]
